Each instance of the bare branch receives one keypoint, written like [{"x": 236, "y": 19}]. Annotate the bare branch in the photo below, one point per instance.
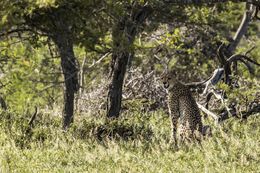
[
  {"x": 99, "y": 61},
  {"x": 33, "y": 117},
  {"x": 242, "y": 28},
  {"x": 214, "y": 116},
  {"x": 81, "y": 80},
  {"x": 204, "y": 85},
  {"x": 21, "y": 30},
  {"x": 249, "y": 50},
  {"x": 30, "y": 124},
  {"x": 214, "y": 79},
  {"x": 234, "y": 58},
  {"x": 5, "y": 33},
  {"x": 238, "y": 57}
]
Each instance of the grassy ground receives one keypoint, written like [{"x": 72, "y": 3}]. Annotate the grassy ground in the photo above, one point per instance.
[{"x": 137, "y": 142}]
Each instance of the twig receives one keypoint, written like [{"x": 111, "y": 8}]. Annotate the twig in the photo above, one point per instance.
[
  {"x": 14, "y": 31},
  {"x": 255, "y": 109},
  {"x": 33, "y": 117},
  {"x": 237, "y": 57},
  {"x": 30, "y": 124},
  {"x": 98, "y": 61},
  {"x": 81, "y": 84},
  {"x": 249, "y": 50}
]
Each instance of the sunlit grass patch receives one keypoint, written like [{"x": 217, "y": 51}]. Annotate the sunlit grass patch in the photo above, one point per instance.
[{"x": 136, "y": 142}]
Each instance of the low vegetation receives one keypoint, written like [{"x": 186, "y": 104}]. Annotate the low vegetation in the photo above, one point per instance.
[
  {"x": 80, "y": 87},
  {"x": 137, "y": 142}
]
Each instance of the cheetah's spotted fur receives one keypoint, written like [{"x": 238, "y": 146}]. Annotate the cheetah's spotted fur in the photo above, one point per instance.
[{"x": 183, "y": 109}]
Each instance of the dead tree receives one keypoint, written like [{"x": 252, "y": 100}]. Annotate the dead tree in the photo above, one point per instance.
[
  {"x": 229, "y": 62},
  {"x": 226, "y": 56}
]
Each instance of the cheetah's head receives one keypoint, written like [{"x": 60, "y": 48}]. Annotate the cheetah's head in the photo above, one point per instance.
[{"x": 168, "y": 79}]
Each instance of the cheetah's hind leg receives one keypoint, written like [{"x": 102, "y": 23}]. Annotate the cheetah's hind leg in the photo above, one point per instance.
[
  {"x": 197, "y": 136},
  {"x": 203, "y": 134},
  {"x": 185, "y": 135}
]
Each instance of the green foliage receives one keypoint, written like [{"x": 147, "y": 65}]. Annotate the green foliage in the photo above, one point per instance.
[
  {"x": 30, "y": 75},
  {"x": 246, "y": 93}
]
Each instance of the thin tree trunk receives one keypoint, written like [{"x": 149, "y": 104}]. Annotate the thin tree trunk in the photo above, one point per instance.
[
  {"x": 122, "y": 43},
  {"x": 70, "y": 72},
  {"x": 115, "y": 88},
  {"x": 227, "y": 51},
  {"x": 123, "y": 37},
  {"x": 242, "y": 29}
]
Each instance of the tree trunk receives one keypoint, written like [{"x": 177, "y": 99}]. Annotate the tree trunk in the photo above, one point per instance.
[
  {"x": 115, "y": 88},
  {"x": 123, "y": 37},
  {"x": 122, "y": 43},
  {"x": 247, "y": 17},
  {"x": 226, "y": 52},
  {"x": 70, "y": 72}
]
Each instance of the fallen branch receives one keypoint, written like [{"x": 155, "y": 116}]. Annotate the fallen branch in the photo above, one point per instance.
[
  {"x": 243, "y": 115},
  {"x": 255, "y": 109},
  {"x": 214, "y": 116}
]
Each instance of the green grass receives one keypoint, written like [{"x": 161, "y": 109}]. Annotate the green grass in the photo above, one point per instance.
[{"x": 137, "y": 142}]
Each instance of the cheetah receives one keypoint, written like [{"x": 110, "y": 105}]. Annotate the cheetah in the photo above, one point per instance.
[{"x": 183, "y": 110}]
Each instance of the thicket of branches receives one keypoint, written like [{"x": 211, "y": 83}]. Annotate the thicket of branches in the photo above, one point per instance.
[{"x": 108, "y": 55}]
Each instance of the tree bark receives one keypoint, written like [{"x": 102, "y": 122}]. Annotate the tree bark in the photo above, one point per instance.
[
  {"x": 123, "y": 36},
  {"x": 116, "y": 86},
  {"x": 122, "y": 43},
  {"x": 70, "y": 72},
  {"x": 242, "y": 29},
  {"x": 225, "y": 52}
]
